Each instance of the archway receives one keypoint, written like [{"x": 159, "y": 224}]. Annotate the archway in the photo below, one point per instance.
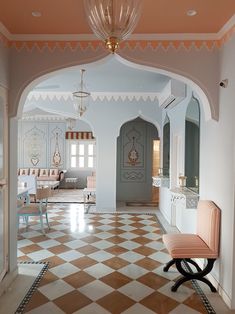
[
  {"x": 34, "y": 80},
  {"x": 27, "y": 84},
  {"x": 136, "y": 162},
  {"x": 127, "y": 63}
]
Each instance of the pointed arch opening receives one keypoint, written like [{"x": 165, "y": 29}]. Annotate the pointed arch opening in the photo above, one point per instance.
[{"x": 138, "y": 159}]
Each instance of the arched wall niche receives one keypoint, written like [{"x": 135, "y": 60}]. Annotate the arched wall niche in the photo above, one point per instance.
[
  {"x": 25, "y": 82},
  {"x": 143, "y": 117},
  {"x": 135, "y": 160}
]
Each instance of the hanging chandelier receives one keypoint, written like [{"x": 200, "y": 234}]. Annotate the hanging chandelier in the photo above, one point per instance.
[
  {"x": 112, "y": 20},
  {"x": 81, "y": 97}
]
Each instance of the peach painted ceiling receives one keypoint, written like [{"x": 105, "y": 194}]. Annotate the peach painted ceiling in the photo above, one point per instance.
[{"x": 158, "y": 16}]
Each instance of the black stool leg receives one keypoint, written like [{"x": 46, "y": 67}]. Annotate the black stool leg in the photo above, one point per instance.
[
  {"x": 188, "y": 275},
  {"x": 168, "y": 265},
  {"x": 189, "y": 260},
  {"x": 178, "y": 283}
]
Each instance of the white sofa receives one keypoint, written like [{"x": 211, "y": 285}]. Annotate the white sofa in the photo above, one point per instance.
[{"x": 43, "y": 174}]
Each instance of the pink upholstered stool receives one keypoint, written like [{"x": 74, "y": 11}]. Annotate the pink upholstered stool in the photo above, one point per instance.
[{"x": 204, "y": 244}]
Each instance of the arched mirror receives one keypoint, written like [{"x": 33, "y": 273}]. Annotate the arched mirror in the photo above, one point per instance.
[
  {"x": 192, "y": 144},
  {"x": 166, "y": 147}
]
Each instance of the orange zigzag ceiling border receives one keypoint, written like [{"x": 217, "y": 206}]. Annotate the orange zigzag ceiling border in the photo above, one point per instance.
[{"x": 131, "y": 44}]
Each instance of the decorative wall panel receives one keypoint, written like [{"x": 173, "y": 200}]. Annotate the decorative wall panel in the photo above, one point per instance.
[
  {"x": 134, "y": 160},
  {"x": 41, "y": 144},
  {"x": 133, "y": 141},
  {"x": 57, "y": 145},
  {"x": 35, "y": 147}
]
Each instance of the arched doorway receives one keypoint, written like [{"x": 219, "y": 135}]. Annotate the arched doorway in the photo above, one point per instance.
[
  {"x": 137, "y": 162},
  {"x": 23, "y": 91}
]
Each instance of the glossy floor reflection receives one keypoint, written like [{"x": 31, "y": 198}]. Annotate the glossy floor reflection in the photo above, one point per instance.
[{"x": 103, "y": 263}]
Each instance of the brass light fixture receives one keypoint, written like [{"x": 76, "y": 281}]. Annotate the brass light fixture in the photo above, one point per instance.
[
  {"x": 112, "y": 20},
  {"x": 81, "y": 97}
]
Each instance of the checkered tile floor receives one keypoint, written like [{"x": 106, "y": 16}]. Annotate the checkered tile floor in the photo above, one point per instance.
[{"x": 103, "y": 263}]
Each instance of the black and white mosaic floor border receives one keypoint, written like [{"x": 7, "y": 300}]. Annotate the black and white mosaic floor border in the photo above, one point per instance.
[
  {"x": 200, "y": 292},
  {"x": 34, "y": 286}
]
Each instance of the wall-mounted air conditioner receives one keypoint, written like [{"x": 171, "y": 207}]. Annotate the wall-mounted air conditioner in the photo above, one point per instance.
[{"x": 172, "y": 94}]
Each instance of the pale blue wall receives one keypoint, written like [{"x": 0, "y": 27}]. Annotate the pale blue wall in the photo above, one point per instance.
[{"x": 45, "y": 141}]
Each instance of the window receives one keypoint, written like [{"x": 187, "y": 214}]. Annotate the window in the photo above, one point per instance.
[{"x": 82, "y": 154}]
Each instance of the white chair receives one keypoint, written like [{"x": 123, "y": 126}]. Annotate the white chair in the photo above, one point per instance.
[
  {"x": 31, "y": 182},
  {"x": 36, "y": 209}
]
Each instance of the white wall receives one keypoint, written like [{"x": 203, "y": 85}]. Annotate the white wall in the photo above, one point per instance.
[
  {"x": 106, "y": 119},
  {"x": 216, "y": 168},
  {"x": 177, "y": 150},
  {"x": 217, "y": 171},
  {"x": 4, "y": 65},
  {"x": 165, "y": 203},
  {"x": 177, "y": 134}
]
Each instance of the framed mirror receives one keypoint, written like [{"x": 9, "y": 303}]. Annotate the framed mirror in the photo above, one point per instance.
[
  {"x": 166, "y": 147},
  {"x": 192, "y": 144}
]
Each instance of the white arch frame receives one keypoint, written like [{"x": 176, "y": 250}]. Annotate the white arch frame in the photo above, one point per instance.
[{"x": 194, "y": 86}]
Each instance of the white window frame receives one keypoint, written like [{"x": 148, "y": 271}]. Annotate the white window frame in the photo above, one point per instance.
[{"x": 86, "y": 144}]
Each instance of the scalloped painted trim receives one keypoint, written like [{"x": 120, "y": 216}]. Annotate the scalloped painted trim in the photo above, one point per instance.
[
  {"x": 129, "y": 44},
  {"x": 74, "y": 45}
]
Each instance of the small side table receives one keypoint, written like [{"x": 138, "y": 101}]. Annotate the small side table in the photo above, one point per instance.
[{"x": 72, "y": 180}]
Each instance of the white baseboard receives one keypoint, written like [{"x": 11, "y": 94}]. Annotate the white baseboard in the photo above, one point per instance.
[
  {"x": 165, "y": 215},
  {"x": 218, "y": 287}
]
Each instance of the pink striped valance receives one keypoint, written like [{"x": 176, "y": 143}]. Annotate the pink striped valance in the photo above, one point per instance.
[{"x": 69, "y": 135}]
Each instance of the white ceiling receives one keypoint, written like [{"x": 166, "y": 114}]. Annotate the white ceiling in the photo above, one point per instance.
[
  {"x": 107, "y": 77},
  {"x": 110, "y": 76}
]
